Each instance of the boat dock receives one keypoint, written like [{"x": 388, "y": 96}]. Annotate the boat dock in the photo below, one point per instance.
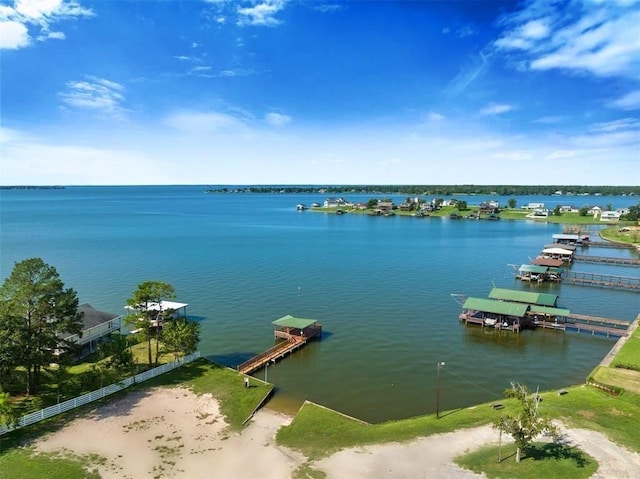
[
  {"x": 602, "y": 280},
  {"x": 293, "y": 334},
  {"x": 606, "y": 260}
]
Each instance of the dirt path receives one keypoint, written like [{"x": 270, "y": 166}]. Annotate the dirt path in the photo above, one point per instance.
[{"x": 167, "y": 433}]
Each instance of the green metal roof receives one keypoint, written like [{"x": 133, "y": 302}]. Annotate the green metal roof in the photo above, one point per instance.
[
  {"x": 550, "y": 311},
  {"x": 292, "y": 322},
  {"x": 543, "y": 299},
  {"x": 533, "y": 268},
  {"x": 497, "y": 307}
]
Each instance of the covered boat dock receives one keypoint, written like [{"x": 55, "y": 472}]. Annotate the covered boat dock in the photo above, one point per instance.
[{"x": 292, "y": 333}]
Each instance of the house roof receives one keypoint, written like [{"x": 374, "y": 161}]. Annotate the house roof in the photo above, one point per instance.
[
  {"x": 543, "y": 299},
  {"x": 504, "y": 308},
  {"x": 557, "y": 251},
  {"x": 550, "y": 311},
  {"x": 533, "y": 268},
  {"x": 293, "y": 322},
  {"x": 568, "y": 237},
  {"x": 548, "y": 262},
  {"x": 92, "y": 317}
]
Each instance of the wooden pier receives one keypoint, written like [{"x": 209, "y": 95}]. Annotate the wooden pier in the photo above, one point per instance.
[
  {"x": 606, "y": 244},
  {"x": 589, "y": 324},
  {"x": 293, "y": 334},
  {"x": 602, "y": 280},
  {"x": 606, "y": 260}
]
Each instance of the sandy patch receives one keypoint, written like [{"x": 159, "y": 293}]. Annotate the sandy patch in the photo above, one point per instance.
[
  {"x": 166, "y": 433},
  {"x": 171, "y": 433},
  {"x": 432, "y": 456}
]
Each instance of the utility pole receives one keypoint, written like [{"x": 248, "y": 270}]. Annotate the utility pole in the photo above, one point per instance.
[{"x": 438, "y": 389}]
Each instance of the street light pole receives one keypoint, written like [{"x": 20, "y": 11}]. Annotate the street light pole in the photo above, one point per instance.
[
  {"x": 438, "y": 389},
  {"x": 266, "y": 367}
]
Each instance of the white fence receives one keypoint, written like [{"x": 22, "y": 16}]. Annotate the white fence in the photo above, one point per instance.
[{"x": 65, "y": 406}]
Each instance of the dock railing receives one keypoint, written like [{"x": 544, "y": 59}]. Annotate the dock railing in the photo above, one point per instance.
[{"x": 101, "y": 393}]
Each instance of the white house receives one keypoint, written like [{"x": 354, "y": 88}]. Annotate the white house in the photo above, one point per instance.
[
  {"x": 595, "y": 211},
  {"x": 610, "y": 216},
  {"x": 533, "y": 206},
  {"x": 96, "y": 325}
]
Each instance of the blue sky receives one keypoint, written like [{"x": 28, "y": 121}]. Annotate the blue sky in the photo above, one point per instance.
[{"x": 311, "y": 92}]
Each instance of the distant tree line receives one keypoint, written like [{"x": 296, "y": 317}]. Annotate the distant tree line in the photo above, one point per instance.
[{"x": 439, "y": 190}]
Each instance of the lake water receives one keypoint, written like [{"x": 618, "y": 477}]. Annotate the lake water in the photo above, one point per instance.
[{"x": 380, "y": 286}]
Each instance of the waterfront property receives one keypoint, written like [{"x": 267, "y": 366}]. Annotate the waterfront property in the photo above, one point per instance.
[
  {"x": 173, "y": 308},
  {"x": 538, "y": 273},
  {"x": 565, "y": 254},
  {"x": 291, "y": 333},
  {"x": 514, "y": 310},
  {"x": 96, "y": 325},
  {"x": 526, "y": 297},
  {"x": 502, "y": 315}
]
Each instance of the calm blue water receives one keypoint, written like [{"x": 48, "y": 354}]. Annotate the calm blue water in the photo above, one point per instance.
[{"x": 380, "y": 286}]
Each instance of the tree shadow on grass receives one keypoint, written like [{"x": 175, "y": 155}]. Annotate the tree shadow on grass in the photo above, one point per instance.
[{"x": 557, "y": 452}]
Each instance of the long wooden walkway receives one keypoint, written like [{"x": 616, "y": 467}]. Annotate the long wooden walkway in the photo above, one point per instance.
[
  {"x": 589, "y": 324},
  {"x": 606, "y": 244},
  {"x": 602, "y": 280},
  {"x": 274, "y": 353},
  {"x": 606, "y": 259}
]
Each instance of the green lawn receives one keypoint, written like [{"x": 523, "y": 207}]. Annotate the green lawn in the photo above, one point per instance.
[
  {"x": 546, "y": 460},
  {"x": 582, "y": 406}
]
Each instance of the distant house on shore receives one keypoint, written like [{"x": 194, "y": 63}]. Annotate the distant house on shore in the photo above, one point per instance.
[
  {"x": 610, "y": 216},
  {"x": 334, "y": 202},
  {"x": 533, "y": 206}
]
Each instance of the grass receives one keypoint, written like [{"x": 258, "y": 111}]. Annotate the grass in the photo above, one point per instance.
[
  {"x": 25, "y": 464},
  {"x": 629, "y": 355},
  {"x": 622, "y": 234},
  {"x": 551, "y": 461},
  {"x": 582, "y": 406}
]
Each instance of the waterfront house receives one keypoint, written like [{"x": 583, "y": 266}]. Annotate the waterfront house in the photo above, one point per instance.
[
  {"x": 333, "y": 202},
  {"x": 610, "y": 216},
  {"x": 533, "y": 206},
  {"x": 96, "y": 325},
  {"x": 594, "y": 211}
]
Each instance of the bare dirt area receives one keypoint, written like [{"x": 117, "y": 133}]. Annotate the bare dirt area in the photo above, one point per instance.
[
  {"x": 167, "y": 433},
  {"x": 173, "y": 433}
]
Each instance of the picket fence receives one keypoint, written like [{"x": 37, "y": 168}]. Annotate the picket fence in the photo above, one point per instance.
[{"x": 70, "y": 404}]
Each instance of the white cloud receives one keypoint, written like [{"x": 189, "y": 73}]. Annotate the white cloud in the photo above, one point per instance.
[
  {"x": 38, "y": 16},
  {"x": 617, "y": 125},
  {"x": 205, "y": 122},
  {"x": 433, "y": 116},
  {"x": 328, "y": 8},
  {"x": 588, "y": 37},
  {"x": 558, "y": 154},
  {"x": 97, "y": 94},
  {"x": 630, "y": 101},
  {"x": 496, "y": 109},
  {"x": 13, "y": 35},
  {"x": 277, "y": 119},
  {"x": 262, "y": 14}
]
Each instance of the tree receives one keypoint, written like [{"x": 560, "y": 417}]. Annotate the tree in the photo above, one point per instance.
[
  {"x": 181, "y": 337},
  {"x": 372, "y": 203},
  {"x": 116, "y": 351},
  {"x": 525, "y": 426},
  {"x": 512, "y": 203},
  {"x": 556, "y": 211},
  {"x": 36, "y": 311},
  {"x": 461, "y": 205},
  {"x": 148, "y": 316},
  {"x": 584, "y": 211}
]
